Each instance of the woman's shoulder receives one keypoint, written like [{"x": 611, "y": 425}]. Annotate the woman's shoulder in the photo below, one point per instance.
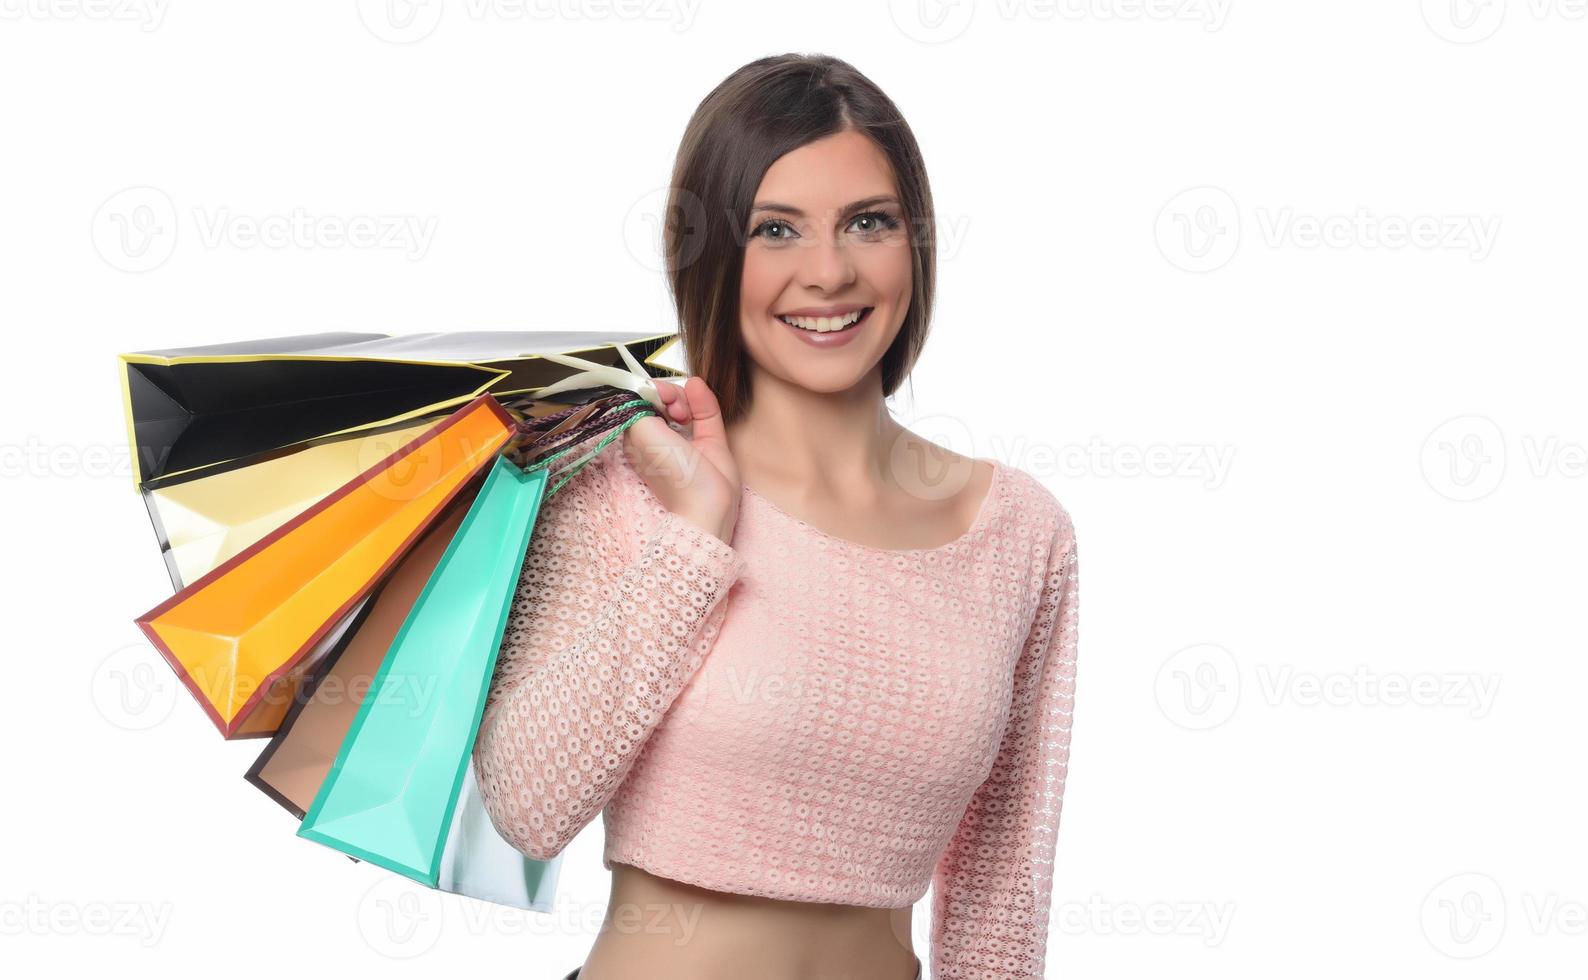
[{"x": 1031, "y": 503}]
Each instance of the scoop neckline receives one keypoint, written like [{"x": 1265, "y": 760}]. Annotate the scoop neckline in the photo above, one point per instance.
[{"x": 989, "y": 503}]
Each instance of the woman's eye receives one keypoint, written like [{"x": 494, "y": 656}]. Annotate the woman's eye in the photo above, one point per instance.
[
  {"x": 874, "y": 222},
  {"x": 869, "y": 224},
  {"x": 776, "y": 230}
]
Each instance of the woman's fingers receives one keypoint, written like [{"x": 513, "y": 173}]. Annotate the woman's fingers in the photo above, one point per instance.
[
  {"x": 651, "y": 447},
  {"x": 674, "y": 402},
  {"x": 710, "y": 438}
]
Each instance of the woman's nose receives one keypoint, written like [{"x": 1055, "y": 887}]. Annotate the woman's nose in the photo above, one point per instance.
[{"x": 827, "y": 266}]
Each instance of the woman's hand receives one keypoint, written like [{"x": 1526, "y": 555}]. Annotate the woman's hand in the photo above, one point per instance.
[{"x": 695, "y": 478}]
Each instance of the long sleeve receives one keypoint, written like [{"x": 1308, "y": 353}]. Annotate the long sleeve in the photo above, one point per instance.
[
  {"x": 618, "y": 603},
  {"x": 992, "y": 887}
]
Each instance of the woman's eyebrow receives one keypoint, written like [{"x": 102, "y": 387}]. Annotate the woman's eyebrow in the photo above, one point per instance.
[{"x": 847, "y": 209}]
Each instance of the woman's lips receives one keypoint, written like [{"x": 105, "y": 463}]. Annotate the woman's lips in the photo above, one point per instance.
[{"x": 831, "y": 338}]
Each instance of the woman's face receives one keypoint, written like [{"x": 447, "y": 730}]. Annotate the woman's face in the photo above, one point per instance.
[{"x": 828, "y": 240}]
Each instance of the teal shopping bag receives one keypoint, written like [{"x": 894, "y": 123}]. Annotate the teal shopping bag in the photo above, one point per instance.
[
  {"x": 478, "y": 863},
  {"x": 392, "y": 794}
]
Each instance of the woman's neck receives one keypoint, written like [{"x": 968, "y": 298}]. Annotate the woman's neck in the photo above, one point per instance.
[{"x": 793, "y": 436}]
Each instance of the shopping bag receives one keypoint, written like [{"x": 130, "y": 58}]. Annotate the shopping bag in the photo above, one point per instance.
[
  {"x": 190, "y": 410},
  {"x": 297, "y": 759},
  {"x": 202, "y": 522},
  {"x": 237, "y": 637},
  {"x": 393, "y": 789},
  {"x": 475, "y": 862}
]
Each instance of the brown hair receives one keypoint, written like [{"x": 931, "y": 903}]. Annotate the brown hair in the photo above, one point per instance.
[{"x": 754, "y": 116}]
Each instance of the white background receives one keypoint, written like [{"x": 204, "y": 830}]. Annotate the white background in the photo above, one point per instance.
[{"x": 1284, "y": 302}]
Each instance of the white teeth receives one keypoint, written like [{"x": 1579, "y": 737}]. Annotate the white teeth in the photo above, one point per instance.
[{"x": 822, "y": 324}]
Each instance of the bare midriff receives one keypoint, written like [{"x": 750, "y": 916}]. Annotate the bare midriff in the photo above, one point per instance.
[{"x": 661, "y": 929}]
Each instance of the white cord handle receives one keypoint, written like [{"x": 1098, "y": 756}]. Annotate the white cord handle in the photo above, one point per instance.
[{"x": 634, "y": 379}]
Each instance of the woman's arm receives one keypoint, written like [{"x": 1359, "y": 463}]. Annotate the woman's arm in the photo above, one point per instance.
[
  {"x": 993, "y": 885},
  {"x": 618, "y": 603}
]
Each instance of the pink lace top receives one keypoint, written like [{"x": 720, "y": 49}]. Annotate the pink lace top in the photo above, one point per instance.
[{"x": 797, "y": 715}]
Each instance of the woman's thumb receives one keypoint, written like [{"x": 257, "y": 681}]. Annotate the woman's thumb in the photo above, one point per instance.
[{"x": 706, "y": 429}]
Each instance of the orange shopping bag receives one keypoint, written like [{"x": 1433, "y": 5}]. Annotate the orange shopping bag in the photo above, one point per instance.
[{"x": 238, "y": 636}]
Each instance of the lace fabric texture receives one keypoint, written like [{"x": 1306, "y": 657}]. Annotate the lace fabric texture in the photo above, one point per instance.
[{"x": 796, "y": 715}]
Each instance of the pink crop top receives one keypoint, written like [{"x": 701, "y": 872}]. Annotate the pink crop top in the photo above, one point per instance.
[{"x": 796, "y": 715}]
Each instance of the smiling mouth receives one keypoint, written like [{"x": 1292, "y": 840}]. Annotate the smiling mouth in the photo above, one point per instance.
[{"x": 827, "y": 324}]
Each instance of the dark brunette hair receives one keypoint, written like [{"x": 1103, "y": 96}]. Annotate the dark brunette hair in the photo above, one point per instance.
[{"x": 754, "y": 116}]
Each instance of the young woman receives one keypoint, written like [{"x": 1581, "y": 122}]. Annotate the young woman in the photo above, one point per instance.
[{"x": 801, "y": 681}]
